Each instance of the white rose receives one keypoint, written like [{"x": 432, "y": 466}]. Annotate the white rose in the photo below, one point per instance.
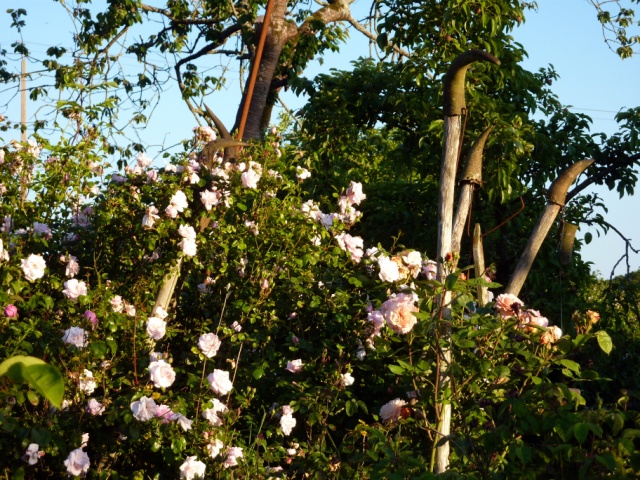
[
  {"x": 144, "y": 409},
  {"x": 209, "y": 343},
  {"x": 189, "y": 247},
  {"x": 219, "y": 382},
  {"x": 233, "y": 453},
  {"x": 86, "y": 383},
  {"x": 213, "y": 449},
  {"x": 94, "y": 407},
  {"x": 389, "y": 271},
  {"x": 183, "y": 421},
  {"x": 192, "y": 468},
  {"x": 250, "y": 178},
  {"x": 346, "y": 380},
  {"x": 74, "y": 289},
  {"x": 33, "y": 267},
  {"x": 75, "y": 336},
  {"x": 287, "y": 422},
  {"x": 77, "y": 462},
  {"x": 156, "y": 328},
  {"x": 162, "y": 374}
]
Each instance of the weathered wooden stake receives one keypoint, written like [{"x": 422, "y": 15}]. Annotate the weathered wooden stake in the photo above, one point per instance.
[
  {"x": 470, "y": 179},
  {"x": 555, "y": 201},
  {"x": 454, "y": 107},
  {"x": 478, "y": 262}
]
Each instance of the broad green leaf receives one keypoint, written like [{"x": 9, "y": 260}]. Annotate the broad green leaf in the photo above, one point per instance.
[
  {"x": 580, "y": 431},
  {"x": 570, "y": 364},
  {"x": 44, "y": 378},
  {"x": 397, "y": 369},
  {"x": 604, "y": 340}
]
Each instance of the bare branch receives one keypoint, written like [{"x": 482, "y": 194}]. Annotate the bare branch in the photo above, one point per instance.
[
  {"x": 627, "y": 245},
  {"x": 373, "y": 37},
  {"x": 185, "y": 21}
]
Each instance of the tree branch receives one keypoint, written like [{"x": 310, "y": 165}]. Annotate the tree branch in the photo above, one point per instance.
[
  {"x": 185, "y": 21},
  {"x": 627, "y": 242},
  {"x": 371, "y": 36}
]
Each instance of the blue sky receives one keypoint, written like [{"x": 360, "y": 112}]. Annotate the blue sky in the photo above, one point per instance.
[{"x": 564, "y": 33}]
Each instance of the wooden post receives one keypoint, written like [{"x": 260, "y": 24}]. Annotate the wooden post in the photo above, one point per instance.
[
  {"x": 555, "y": 201},
  {"x": 470, "y": 179},
  {"x": 478, "y": 262},
  {"x": 454, "y": 107}
]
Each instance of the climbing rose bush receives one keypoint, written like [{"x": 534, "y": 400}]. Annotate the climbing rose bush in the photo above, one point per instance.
[{"x": 288, "y": 345}]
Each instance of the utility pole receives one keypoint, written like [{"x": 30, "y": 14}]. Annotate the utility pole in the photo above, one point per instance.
[
  {"x": 23, "y": 120},
  {"x": 23, "y": 99}
]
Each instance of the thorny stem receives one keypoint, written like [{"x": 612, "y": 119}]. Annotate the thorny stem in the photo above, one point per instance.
[{"x": 204, "y": 367}]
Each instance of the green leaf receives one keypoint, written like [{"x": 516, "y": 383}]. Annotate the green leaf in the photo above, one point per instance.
[
  {"x": 451, "y": 280},
  {"x": 587, "y": 238},
  {"x": 618, "y": 423},
  {"x": 44, "y": 378},
  {"x": 397, "y": 369},
  {"x": 604, "y": 340},
  {"x": 570, "y": 364},
  {"x": 463, "y": 343},
  {"x": 99, "y": 348},
  {"x": 258, "y": 373},
  {"x": 580, "y": 431},
  {"x": 351, "y": 407}
]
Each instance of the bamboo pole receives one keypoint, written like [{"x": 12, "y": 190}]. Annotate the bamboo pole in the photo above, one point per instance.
[
  {"x": 454, "y": 107},
  {"x": 555, "y": 201}
]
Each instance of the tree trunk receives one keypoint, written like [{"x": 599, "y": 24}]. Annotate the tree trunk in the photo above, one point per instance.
[{"x": 279, "y": 32}]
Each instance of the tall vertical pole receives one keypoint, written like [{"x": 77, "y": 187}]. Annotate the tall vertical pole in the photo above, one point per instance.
[
  {"x": 23, "y": 100},
  {"x": 454, "y": 108},
  {"x": 24, "y": 179}
]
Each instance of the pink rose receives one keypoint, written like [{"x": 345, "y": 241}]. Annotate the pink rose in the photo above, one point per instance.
[
  {"x": 398, "y": 311},
  {"x": 164, "y": 412},
  {"x": 508, "y": 305},
  {"x": 294, "y": 366},
  {"x": 392, "y": 411},
  {"x": 11, "y": 311}
]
